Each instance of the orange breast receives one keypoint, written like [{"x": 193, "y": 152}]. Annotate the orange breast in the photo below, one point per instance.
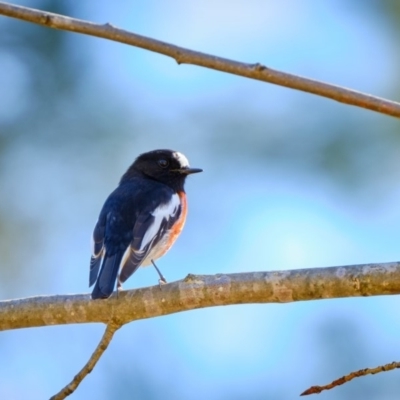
[
  {"x": 178, "y": 226},
  {"x": 169, "y": 238}
]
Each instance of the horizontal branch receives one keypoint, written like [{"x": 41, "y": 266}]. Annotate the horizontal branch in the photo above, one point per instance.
[
  {"x": 185, "y": 56},
  {"x": 200, "y": 291}
]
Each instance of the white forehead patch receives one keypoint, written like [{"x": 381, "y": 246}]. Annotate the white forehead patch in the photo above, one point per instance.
[{"x": 182, "y": 160}]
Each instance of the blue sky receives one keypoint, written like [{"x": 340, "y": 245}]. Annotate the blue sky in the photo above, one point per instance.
[{"x": 244, "y": 214}]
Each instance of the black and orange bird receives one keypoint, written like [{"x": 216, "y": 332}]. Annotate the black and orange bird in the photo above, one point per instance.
[{"x": 140, "y": 220}]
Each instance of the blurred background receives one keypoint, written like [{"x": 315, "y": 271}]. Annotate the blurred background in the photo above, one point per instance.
[{"x": 290, "y": 180}]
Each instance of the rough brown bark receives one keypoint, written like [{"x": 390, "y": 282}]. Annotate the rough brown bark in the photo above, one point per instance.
[
  {"x": 200, "y": 291},
  {"x": 347, "y": 378}
]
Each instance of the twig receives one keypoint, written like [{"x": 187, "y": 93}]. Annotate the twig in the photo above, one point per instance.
[
  {"x": 185, "y": 56},
  {"x": 112, "y": 327},
  {"x": 352, "y": 375},
  {"x": 200, "y": 291}
]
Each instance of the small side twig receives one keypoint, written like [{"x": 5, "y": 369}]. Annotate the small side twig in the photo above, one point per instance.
[
  {"x": 349, "y": 377},
  {"x": 112, "y": 327}
]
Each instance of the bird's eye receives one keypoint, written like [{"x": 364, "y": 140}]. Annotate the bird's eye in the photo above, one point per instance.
[{"x": 163, "y": 163}]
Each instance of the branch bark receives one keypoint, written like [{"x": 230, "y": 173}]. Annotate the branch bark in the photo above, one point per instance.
[
  {"x": 87, "y": 369},
  {"x": 347, "y": 378},
  {"x": 200, "y": 291},
  {"x": 185, "y": 56}
]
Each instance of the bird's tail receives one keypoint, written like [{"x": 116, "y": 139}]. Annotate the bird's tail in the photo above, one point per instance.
[{"x": 108, "y": 275}]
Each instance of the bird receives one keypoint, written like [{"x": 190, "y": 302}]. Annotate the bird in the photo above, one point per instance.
[{"x": 140, "y": 220}]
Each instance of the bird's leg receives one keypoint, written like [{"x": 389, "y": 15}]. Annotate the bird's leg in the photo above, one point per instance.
[
  {"x": 162, "y": 280},
  {"x": 119, "y": 286}
]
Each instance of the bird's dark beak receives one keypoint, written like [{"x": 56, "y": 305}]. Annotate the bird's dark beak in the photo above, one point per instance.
[{"x": 188, "y": 171}]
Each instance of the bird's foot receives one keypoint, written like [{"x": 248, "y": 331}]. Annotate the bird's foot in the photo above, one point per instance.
[
  {"x": 119, "y": 287},
  {"x": 162, "y": 281}
]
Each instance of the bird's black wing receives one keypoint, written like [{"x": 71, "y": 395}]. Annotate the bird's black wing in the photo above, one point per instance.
[{"x": 117, "y": 236}]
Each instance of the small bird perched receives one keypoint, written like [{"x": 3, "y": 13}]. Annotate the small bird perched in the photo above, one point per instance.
[{"x": 140, "y": 220}]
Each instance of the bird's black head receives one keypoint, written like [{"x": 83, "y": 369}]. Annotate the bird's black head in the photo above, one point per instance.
[{"x": 166, "y": 166}]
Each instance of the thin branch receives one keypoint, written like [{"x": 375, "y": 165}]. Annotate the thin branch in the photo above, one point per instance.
[
  {"x": 185, "y": 56},
  {"x": 352, "y": 375},
  {"x": 200, "y": 291},
  {"x": 87, "y": 369}
]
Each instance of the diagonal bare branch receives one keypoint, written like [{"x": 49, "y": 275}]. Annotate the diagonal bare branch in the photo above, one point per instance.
[
  {"x": 200, "y": 291},
  {"x": 87, "y": 369},
  {"x": 351, "y": 376},
  {"x": 185, "y": 56}
]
